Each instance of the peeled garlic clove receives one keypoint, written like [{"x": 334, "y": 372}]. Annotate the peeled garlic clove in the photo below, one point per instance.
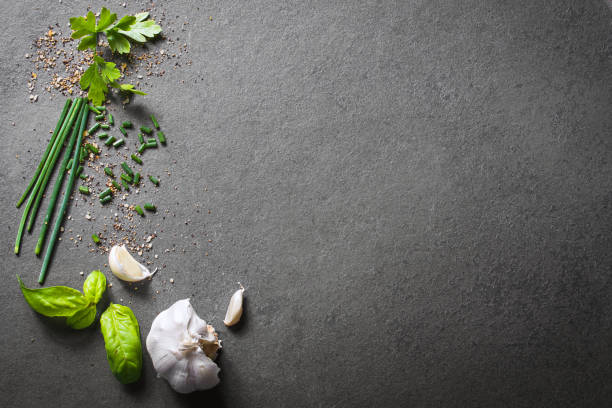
[
  {"x": 182, "y": 347},
  {"x": 234, "y": 310},
  {"x": 125, "y": 267}
]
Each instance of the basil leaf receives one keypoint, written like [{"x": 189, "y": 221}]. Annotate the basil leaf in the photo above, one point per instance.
[
  {"x": 83, "y": 318},
  {"x": 54, "y": 301},
  {"x": 122, "y": 342},
  {"x": 94, "y": 286}
]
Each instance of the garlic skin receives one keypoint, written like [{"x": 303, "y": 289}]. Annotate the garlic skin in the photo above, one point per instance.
[
  {"x": 234, "y": 309},
  {"x": 183, "y": 347},
  {"x": 125, "y": 267}
]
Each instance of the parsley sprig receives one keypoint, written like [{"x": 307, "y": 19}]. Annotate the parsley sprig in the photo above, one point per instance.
[{"x": 102, "y": 74}]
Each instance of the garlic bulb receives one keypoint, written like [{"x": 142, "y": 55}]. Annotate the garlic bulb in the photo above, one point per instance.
[
  {"x": 183, "y": 347},
  {"x": 125, "y": 267},
  {"x": 234, "y": 309}
]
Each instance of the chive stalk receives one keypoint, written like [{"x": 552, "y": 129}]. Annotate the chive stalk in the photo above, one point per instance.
[
  {"x": 116, "y": 185},
  {"x": 101, "y": 108},
  {"x": 142, "y": 148},
  {"x": 125, "y": 185},
  {"x": 92, "y": 148},
  {"x": 126, "y": 178},
  {"x": 104, "y": 126},
  {"x": 93, "y": 129},
  {"x": 93, "y": 109},
  {"x": 161, "y": 137},
  {"x": 146, "y": 130},
  {"x": 154, "y": 180},
  {"x": 127, "y": 169},
  {"x": 141, "y": 138},
  {"x": 43, "y": 160},
  {"x": 106, "y": 199},
  {"x": 64, "y": 166},
  {"x": 110, "y": 140},
  {"x": 138, "y": 209},
  {"x": 111, "y": 119},
  {"x": 63, "y": 207},
  {"x": 136, "y": 178},
  {"x": 151, "y": 145},
  {"x": 100, "y": 117},
  {"x": 106, "y": 192},
  {"x": 109, "y": 172},
  {"x": 123, "y": 131},
  {"x": 103, "y": 135},
  {"x": 127, "y": 124},
  {"x": 84, "y": 190},
  {"x": 149, "y": 207},
  {"x": 119, "y": 142}
]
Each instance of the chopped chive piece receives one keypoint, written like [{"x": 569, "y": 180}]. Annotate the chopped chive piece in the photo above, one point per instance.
[
  {"x": 151, "y": 140},
  {"x": 127, "y": 169},
  {"x": 123, "y": 131},
  {"x": 161, "y": 137},
  {"x": 103, "y": 135},
  {"x": 111, "y": 119},
  {"x": 105, "y": 127},
  {"x": 109, "y": 172},
  {"x": 154, "y": 180},
  {"x": 94, "y": 110},
  {"x": 127, "y": 124},
  {"x": 106, "y": 192},
  {"x": 95, "y": 238},
  {"x": 142, "y": 148},
  {"x": 136, "y": 178},
  {"x": 146, "y": 130},
  {"x": 101, "y": 108},
  {"x": 140, "y": 138},
  {"x": 136, "y": 159},
  {"x": 106, "y": 199},
  {"x": 116, "y": 185},
  {"x": 93, "y": 129},
  {"x": 151, "y": 144},
  {"x": 149, "y": 207},
  {"x": 84, "y": 189},
  {"x": 154, "y": 122},
  {"x": 119, "y": 142},
  {"x": 126, "y": 178},
  {"x": 83, "y": 176},
  {"x": 79, "y": 170},
  {"x": 83, "y": 154},
  {"x": 93, "y": 148},
  {"x": 138, "y": 209},
  {"x": 100, "y": 117},
  {"x": 110, "y": 140},
  {"x": 125, "y": 185}
]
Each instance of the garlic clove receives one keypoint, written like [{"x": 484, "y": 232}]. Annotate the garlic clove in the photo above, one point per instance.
[
  {"x": 181, "y": 346},
  {"x": 234, "y": 309},
  {"x": 125, "y": 267}
]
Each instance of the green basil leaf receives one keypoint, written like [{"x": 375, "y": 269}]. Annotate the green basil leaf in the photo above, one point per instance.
[
  {"x": 94, "y": 286},
  {"x": 83, "y": 318},
  {"x": 122, "y": 342},
  {"x": 54, "y": 301}
]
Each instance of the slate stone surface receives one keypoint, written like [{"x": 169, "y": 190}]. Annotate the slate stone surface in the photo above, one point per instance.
[{"x": 416, "y": 194}]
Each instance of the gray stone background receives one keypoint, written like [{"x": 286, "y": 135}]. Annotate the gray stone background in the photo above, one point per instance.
[{"x": 416, "y": 195}]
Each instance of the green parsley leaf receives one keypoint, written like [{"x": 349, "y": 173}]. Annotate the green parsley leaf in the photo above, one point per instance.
[
  {"x": 117, "y": 42},
  {"x": 106, "y": 19},
  {"x": 83, "y": 25},
  {"x": 125, "y": 23},
  {"x": 89, "y": 41},
  {"x": 142, "y": 30}
]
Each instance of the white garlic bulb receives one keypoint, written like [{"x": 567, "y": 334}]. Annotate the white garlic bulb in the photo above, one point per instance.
[
  {"x": 234, "y": 309},
  {"x": 125, "y": 267},
  {"x": 183, "y": 347}
]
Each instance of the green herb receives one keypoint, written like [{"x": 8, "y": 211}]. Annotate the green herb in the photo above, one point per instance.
[
  {"x": 142, "y": 148},
  {"x": 141, "y": 138},
  {"x": 161, "y": 137},
  {"x": 110, "y": 140},
  {"x": 79, "y": 170},
  {"x": 106, "y": 199},
  {"x": 109, "y": 172},
  {"x": 125, "y": 185},
  {"x": 119, "y": 142},
  {"x": 127, "y": 124},
  {"x": 136, "y": 178},
  {"x": 95, "y": 238},
  {"x": 138, "y": 209},
  {"x": 154, "y": 180},
  {"x": 93, "y": 109},
  {"x": 84, "y": 190},
  {"x": 105, "y": 127},
  {"x": 100, "y": 73},
  {"x": 154, "y": 122},
  {"x": 67, "y": 191},
  {"x": 101, "y": 108},
  {"x": 83, "y": 176},
  {"x": 146, "y": 130},
  {"x": 122, "y": 342},
  {"x": 92, "y": 148},
  {"x": 123, "y": 131},
  {"x": 65, "y": 164},
  {"x": 106, "y": 192},
  {"x": 111, "y": 119},
  {"x": 126, "y": 178},
  {"x": 127, "y": 169},
  {"x": 136, "y": 159},
  {"x": 100, "y": 117},
  {"x": 103, "y": 135},
  {"x": 116, "y": 185},
  {"x": 62, "y": 301},
  {"x": 93, "y": 129},
  {"x": 151, "y": 145},
  {"x": 149, "y": 207}
]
